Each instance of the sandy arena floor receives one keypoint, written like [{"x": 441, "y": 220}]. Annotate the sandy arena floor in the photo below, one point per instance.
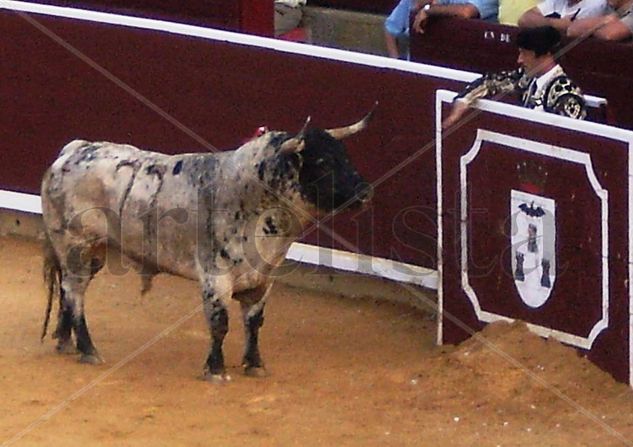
[{"x": 343, "y": 372}]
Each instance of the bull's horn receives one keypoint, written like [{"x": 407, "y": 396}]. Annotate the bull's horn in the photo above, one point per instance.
[
  {"x": 296, "y": 143},
  {"x": 344, "y": 132}
]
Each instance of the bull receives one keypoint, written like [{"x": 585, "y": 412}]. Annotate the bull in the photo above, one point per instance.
[{"x": 224, "y": 219}]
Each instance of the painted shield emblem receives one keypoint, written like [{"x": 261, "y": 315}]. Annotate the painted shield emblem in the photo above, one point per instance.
[{"x": 533, "y": 246}]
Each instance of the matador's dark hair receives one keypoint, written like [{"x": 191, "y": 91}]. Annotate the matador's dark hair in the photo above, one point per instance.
[{"x": 541, "y": 40}]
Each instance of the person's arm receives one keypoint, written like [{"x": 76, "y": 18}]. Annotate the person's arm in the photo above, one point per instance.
[
  {"x": 564, "y": 97},
  {"x": 458, "y": 109},
  {"x": 491, "y": 84},
  {"x": 586, "y": 27},
  {"x": 609, "y": 27},
  {"x": 487, "y": 86},
  {"x": 464, "y": 11},
  {"x": 533, "y": 18},
  {"x": 613, "y": 29}
]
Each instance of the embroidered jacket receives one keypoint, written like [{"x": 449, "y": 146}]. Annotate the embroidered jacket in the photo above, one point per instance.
[{"x": 558, "y": 94}]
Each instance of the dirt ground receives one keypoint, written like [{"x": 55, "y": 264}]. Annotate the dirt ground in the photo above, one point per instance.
[{"x": 342, "y": 372}]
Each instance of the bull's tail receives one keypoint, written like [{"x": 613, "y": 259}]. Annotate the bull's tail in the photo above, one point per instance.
[{"x": 52, "y": 279}]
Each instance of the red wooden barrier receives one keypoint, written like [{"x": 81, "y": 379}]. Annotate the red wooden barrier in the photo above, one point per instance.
[
  {"x": 535, "y": 218},
  {"x": 256, "y": 17},
  {"x": 222, "y": 92},
  {"x": 250, "y": 16}
]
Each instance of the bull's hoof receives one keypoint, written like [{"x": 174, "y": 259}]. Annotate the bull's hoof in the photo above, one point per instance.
[
  {"x": 66, "y": 348},
  {"x": 216, "y": 379},
  {"x": 91, "y": 359},
  {"x": 255, "y": 371}
]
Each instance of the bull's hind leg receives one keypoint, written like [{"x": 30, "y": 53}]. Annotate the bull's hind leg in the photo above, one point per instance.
[
  {"x": 216, "y": 292},
  {"x": 65, "y": 321},
  {"x": 73, "y": 291},
  {"x": 77, "y": 266},
  {"x": 253, "y": 302},
  {"x": 64, "y": 326}
]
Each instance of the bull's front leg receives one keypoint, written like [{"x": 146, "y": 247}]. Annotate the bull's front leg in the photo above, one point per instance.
[
  {"x": 216, "y": 293},
  {"x": 253, "y": 302}
]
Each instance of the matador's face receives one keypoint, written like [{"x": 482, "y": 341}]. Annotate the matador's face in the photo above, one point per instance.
[
  {"x": 527, "y": 59},
  {"x": 533, "y": 64}
]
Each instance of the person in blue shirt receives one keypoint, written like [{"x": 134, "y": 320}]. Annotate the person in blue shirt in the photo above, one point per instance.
[
  {"x": 397, "y": 25},
  {"x": 465, "y": 9}
]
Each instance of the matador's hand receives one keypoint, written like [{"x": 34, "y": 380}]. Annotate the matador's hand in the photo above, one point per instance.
[{"x": 458, "y": 110}]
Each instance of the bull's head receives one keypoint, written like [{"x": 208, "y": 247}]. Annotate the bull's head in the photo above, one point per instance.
[{"x": 327, "y": 178}]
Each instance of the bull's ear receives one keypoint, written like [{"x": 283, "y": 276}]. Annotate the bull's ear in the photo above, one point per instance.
[
  {"x": 297, "y": 143},
  {"x": 343, "y": 132}
]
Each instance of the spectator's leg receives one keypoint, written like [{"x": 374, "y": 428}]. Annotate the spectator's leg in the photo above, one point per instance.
[
  {"x": 392, "y": 45},
  {"x": 403, "y": 45}
]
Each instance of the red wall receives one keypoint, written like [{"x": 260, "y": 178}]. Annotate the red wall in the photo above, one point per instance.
[
  {"x": 222, "y": 92},
  {"x": 251, "y": 16},
  {"x": 256, "y": 17}
]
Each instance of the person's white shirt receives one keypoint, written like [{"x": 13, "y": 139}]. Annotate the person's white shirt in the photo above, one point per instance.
[
  {"x": 581, "y": 10},
  {"x": 291, "y": 3},
  {"x": 542, "y": 82}
]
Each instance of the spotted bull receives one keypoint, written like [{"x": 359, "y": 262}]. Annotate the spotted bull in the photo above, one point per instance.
[{"x": 225, "y": 219}]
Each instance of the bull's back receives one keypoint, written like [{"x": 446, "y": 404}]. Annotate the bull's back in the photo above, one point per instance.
[{"x": 88, "y": 183}]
